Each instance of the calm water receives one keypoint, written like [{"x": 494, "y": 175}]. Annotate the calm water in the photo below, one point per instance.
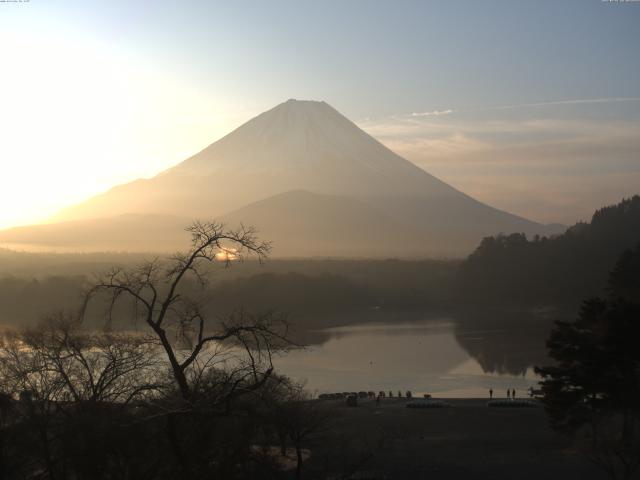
[{"x": 437, "y": 356}]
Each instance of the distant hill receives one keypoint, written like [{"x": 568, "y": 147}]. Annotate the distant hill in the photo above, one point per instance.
[
  {"x": 361, "y": 198},
  {"x": 565, "y": 268},
  {"x": 309, "y": 224}
]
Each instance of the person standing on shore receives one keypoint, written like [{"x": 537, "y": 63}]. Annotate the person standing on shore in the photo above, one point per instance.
[
  {"x": 490, "y": 393},
  {"x": 513, "y": 393},
  {"x": 509, "y": 394}
]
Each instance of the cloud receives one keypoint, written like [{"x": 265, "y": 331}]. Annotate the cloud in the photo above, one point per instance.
[
  {"x": 550, "y": 166},
  {"x": 585, "y": 101},
  {"x": 433, "y": 113},
  {"x": 456, "y": 144},
  {"x": 549, "y": 198}
]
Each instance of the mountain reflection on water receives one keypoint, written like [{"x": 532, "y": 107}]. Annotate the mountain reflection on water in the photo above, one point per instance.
[
  {"x": 504, "y": 342},
  {"x": 458, "y": 355}
]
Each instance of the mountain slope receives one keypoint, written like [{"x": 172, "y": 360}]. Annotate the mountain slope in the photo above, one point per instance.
[
  {"x": 307, "y": 145},
  {"x": 296, "y": 145},
  {"x": 298, "y": 223},
  {"x": 301, "y": 223},
  {"x": 130, "y": 232}
]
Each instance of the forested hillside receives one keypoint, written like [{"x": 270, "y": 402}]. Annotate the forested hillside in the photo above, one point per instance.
[
  {"x": 561, "y": 269},
  {"x": 308, "y": 290}
]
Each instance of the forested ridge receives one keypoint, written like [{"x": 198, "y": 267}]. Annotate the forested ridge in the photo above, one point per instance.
[
  {"x": 558, "y": 270},
  {"x": 305, "y": 289}
]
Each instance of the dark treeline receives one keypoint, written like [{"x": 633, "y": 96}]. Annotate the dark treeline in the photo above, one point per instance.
[
  {"x": 42, "y": 264},
  {"x": 413, "y": 273},
  {"x": 558, "y": 270},
  {"x": 26, "y": 300},
  {"x": 305, "y": 289},
  {"x": 592, "y": 385}
]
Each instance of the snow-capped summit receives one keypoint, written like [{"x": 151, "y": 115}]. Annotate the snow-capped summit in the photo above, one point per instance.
[{"x": 303, "y": 144}]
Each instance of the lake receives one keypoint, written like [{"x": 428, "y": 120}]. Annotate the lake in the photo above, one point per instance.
[{"x": 445, "y": 357}]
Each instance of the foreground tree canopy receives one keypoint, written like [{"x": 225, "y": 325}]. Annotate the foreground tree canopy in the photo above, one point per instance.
[{"x": 593, "y": 390}]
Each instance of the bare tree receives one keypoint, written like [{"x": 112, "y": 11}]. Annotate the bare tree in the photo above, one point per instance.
[
  {"x": 603, "y": 445},
  {"x": 58, "y": 361},
  {"x": 189, "y": 335},
  {"x": 301, "y": 419},
  {"x": 74, "y": 385}
]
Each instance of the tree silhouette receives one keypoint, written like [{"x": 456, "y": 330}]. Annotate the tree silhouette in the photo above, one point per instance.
[
  {"x": 561, "y": 270},
  {"x": 76, "y": 391},
  {"x": 154, "y": 288},
  {"x": 594, "y": 388}
]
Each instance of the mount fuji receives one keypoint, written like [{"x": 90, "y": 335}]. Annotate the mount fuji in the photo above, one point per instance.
[{"x": 307, "y": 177}]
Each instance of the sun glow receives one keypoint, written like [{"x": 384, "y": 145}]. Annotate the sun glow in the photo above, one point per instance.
[
  {"x": 227, "y": 254},
  {"x": 77, "y": 118}
]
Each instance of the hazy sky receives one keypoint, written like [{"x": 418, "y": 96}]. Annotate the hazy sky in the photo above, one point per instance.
[{"x": 531, "y": 106}]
